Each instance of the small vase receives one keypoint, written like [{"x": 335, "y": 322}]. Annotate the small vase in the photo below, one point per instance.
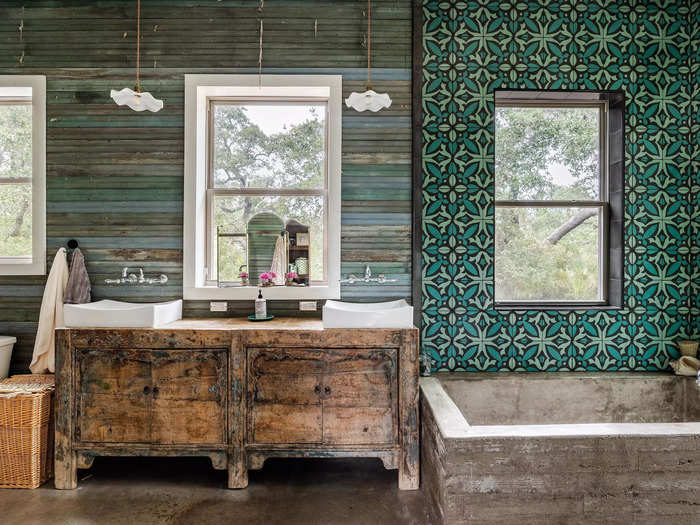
[
  {"x": 289, "y": 282},
  {"x": 244, "y": 281}
]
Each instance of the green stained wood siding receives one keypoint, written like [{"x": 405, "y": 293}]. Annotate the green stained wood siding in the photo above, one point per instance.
[{"x": 114, "y": 177}]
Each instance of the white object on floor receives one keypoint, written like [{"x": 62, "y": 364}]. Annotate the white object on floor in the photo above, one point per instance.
[
  {"x": 686, "y": 366},
  {"x": 118, "y": 314},
  {"x": 391, "y": 314},
  {"x": 50, "y": 315},
  {"x": 6, "y": 344}
]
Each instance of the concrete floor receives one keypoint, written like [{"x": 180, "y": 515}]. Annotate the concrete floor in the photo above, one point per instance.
[{"x": 147, "y": 491}]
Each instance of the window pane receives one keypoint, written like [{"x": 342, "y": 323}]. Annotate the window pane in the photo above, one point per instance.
[
  {"x": 16, "y": 220},
  {"x": 231, "y": 259},
  {"x": 277, "y": 145},
  {"x": 547, "y": 254},
  {"x": 547, "y": 153},
  {"x": 15, "y": 141},
  {"x": 233, "y": 212}
]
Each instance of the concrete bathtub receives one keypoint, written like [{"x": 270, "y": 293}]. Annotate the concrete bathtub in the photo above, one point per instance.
[{"x": 572, "y": 448}]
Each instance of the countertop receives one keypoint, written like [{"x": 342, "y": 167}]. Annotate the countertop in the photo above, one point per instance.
[{"x": 279, "y": 324}]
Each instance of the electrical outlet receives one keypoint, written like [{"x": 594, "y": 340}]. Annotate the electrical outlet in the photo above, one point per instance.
[
  {"x": 307, "y": 306},
  {"x": 218, "y": 306}
]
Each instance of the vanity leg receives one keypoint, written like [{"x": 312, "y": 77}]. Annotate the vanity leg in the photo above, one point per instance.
[
  {"x": 66, "y": 471},
  {"x": 237, "y": 471},
  {"x": 409, "y": 455},
  {"x": 237, "y": 460},
  {"x": 65, "y": 459}
]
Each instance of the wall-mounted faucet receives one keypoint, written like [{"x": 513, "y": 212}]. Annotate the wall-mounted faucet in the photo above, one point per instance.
[
  {"x": 132, "y": 278},
  {"x": 379, "y": 279}
]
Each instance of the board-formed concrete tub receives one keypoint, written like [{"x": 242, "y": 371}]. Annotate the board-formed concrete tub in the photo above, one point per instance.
[{"x": 570, "y": 448}]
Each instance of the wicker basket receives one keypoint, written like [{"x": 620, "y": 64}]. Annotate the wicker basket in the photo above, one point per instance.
[{"x": 26, "y": 432}]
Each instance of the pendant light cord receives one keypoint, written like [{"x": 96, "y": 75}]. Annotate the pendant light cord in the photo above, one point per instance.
[
  {"x": 369, "y": 44},
  {"x": 138, "y": 46}
]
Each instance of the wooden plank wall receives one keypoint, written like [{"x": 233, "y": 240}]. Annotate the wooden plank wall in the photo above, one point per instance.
[{"x": 114, "y": 177}]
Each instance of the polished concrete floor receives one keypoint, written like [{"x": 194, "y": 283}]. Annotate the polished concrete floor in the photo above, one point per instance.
[{"x": 145, "y": 491}]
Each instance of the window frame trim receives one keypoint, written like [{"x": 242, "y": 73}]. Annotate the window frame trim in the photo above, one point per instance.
[
  {"x": 603, "y": 203},
  {"x": 211, "y": 257},
  {"x": 197, "y": 88},
  {"x": 36, "y": 264}
]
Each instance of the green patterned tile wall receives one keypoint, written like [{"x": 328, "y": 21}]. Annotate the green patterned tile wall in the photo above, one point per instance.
[{"x": 649, "y": 50}]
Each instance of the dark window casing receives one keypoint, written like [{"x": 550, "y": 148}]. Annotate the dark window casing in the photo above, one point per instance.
[{"x": 615, "y": 184}]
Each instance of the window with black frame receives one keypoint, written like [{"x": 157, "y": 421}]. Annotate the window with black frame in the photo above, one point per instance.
[{"x": 552, "y": 207}]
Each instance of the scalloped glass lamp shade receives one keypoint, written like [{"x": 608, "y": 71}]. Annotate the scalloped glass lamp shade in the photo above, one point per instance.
[
  {"x": 369, "y": 100},
  {"x": 136, "y": 101}
]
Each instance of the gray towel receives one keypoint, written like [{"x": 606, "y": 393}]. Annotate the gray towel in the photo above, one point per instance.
[{"x": 78, "y": 287}]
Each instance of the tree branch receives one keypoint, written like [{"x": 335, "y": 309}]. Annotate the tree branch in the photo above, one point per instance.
[{"x": 572, "y": 223}]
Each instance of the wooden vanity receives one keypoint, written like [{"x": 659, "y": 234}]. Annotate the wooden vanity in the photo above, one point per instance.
[{"x": 237, "y": 392}]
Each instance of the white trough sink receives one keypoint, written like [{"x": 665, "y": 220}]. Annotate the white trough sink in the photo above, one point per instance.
[
  {"x": 392, "y": 314},
  {"x": 118, "y": 314}
]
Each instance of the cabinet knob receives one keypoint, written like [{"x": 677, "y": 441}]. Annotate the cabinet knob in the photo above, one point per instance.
[
  {"x": 155, "y": 391},
  {"x": 317, "y": 389},
  {"x": 327, "y": 390},
  {"x": 147, "y": 390}
]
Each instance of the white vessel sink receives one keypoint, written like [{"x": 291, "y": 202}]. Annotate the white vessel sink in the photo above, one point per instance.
[
  {"x": 118, "y": 314},
  {"x": 392, "y": 314}
]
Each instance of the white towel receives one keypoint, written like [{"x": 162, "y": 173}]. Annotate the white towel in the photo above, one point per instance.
[
  {"x": 279, "y": 260},
  {"x": 50, "y": 315}
]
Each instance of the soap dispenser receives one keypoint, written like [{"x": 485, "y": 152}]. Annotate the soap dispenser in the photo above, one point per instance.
[{"x": 260, "y": 306}]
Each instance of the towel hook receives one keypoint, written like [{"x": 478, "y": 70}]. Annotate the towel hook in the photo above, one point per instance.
[{"x": 72, "y": 244}]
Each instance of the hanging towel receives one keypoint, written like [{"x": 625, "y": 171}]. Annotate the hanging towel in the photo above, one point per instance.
[
  {"x": 78, "y": 289},
  {"x": 279, "y": 263},
  {"x": 50, "y": 315}
]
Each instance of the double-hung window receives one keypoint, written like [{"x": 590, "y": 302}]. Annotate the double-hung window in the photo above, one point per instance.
[
  {"x": 553, "y": 199},
  {"x": 22, "y": 174},
  {"x": 262, "y": 185}
]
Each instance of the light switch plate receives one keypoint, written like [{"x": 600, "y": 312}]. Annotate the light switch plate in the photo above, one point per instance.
[
  {"x": 218, "y": 306},
  {"x": 307, "y": 306}
]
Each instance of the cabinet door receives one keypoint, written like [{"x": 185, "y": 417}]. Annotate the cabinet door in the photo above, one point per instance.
[
  {"x": 284, "y": 405},
  {"x": 152, "y": 396},
  {"x": 189, "y": 396},
  {"x": 360, "y": 397},
  {"x": 114, "y": 396}
]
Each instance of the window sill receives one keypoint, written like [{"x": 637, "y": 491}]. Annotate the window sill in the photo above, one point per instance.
[
  {"x": 555, "y": 307},
  {"x": 250, "y": 293},
  {"x": 20, "y": 266}
]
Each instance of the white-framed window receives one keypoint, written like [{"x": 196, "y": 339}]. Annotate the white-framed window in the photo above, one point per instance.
[
  {"x": 262, "y": 158},
  {"x": 22, "y": 175},
  {"x": 552, "y": 208}
]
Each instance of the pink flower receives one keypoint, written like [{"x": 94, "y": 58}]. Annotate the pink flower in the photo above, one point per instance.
[
  {"x": 267, "y": 276},
  {"x": 243, "y": 275},
  {"x": 291, "y": 275}
]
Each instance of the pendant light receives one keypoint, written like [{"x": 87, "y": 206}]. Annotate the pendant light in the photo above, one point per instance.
[
  {"x": 369, "y": 99},
  {"x": 136, "y": 99}
]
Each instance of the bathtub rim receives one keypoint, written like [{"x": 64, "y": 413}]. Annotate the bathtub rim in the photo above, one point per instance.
[{"x": 453, "y": 425}]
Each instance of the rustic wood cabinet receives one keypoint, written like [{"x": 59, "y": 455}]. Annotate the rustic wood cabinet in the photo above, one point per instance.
[{"x": 237, "y": 394}]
